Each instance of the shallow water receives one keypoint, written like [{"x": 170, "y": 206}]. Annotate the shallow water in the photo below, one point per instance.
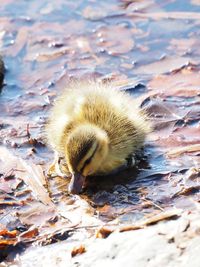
[{"x": 149, "y": 48}]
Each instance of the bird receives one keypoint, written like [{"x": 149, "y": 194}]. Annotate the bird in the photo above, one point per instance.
[{"x": 94, "y": 129}]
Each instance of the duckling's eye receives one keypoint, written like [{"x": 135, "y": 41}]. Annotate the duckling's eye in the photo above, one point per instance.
[{"x": 88, "y": 161}]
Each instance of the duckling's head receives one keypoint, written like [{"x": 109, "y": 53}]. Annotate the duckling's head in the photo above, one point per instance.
[{"x": 85, "y": 149}]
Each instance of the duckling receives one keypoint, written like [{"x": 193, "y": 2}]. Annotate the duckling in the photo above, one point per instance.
[{"x": 95, "y": 128}]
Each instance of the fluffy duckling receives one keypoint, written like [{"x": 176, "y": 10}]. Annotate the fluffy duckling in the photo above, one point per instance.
[{"x": 95, "y": 128}]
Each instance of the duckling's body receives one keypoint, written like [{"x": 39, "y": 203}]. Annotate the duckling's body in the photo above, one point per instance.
[{"x": 92, "y": 120}]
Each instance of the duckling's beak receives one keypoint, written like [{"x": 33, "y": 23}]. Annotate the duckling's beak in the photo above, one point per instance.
[{"x": 76, "y": 183}]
